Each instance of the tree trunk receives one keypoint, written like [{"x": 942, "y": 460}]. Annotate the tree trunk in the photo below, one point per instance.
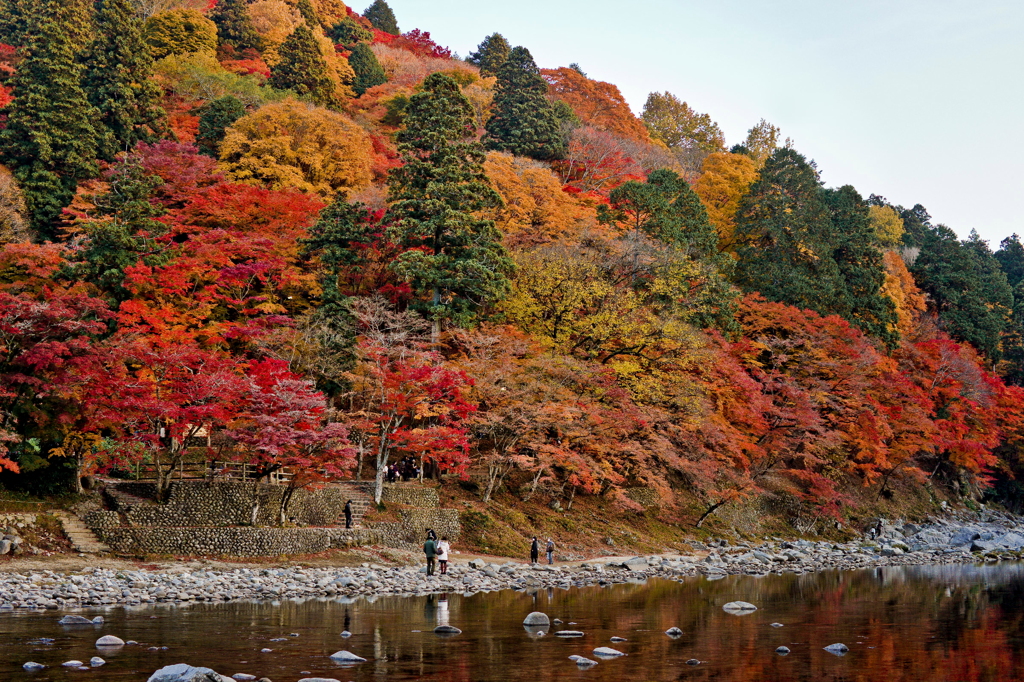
[
  {"x": 382, "y": 462},
  {"x": 711, "y": 510},
  {"x": 254, "y": 513},
  {"x": 359, "y": 457},
  {"x": 286, "y": 498}
]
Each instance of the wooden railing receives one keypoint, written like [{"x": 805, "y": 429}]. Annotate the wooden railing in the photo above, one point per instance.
[{"x": 209, "y": 471}]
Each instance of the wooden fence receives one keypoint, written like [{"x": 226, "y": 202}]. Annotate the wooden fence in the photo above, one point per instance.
[{"x": 209, "y": 471}]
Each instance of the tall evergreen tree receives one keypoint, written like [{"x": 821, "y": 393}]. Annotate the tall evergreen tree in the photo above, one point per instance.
[
  {"x": 214, "y": 119},
  {"x": 118, "y": 82},
  {"x": 454, "y": 258},
  {"x": 49, "y": 142},
  {"x": 856, "y": 253},
  {"x": 782, "y": 230},
  {"x": 490, "y": 54},
  {"x": 368, "y": 70},
  {"x": 382, "y": 18},
  {"x": 305, "y": 8},
  {"x": 524, "y": 121},
  {"x": 965, "y": 284},
  {"x": 234, "y": 27},
  {"x": 1011, "y": 258},
  {"x": 303, "y": 70}
]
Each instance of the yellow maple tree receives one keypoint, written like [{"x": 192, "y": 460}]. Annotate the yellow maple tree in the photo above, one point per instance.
[
  {"x": 294, "y": 144},
  {"x": 725, "y": 178}
]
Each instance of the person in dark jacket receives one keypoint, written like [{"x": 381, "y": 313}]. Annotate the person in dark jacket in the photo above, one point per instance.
[
  {"x": 550, "y": 549},
  {"x": 534, "y": 551},
  {"x": 430, "y": 550},
  {"x": 348, "y": 514}
]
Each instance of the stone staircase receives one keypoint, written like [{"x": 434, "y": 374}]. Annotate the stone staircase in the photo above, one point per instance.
[
  {"x": 362, "y": 501},
  {"x": 82, "y": 539}
]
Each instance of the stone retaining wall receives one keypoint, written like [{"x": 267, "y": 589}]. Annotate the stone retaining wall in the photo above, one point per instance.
[
  {"x": 411, "y": 531},
  {"x": 241, "y": 542},
  {"x": 412, "y": 495},
  {"x": 226, "y": 503}
]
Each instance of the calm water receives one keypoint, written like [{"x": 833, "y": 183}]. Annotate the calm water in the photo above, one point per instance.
[{"x": 921, "y": 624}]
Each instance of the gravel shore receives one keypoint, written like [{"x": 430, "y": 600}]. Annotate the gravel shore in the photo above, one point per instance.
[{"x": 949, "y": 541}]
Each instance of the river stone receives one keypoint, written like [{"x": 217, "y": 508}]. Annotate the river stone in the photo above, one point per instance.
[
  {"x": 537, "y": 618},
  {"x": 782, "y": 650},
  {"x": 739, "y": 608},
  {"x": 838, "y": 649},
  {"x": 110, "y": 640},
  {"x": 568, "y": 633},
  {"x": 637, "y": 564},
  {"x": 693, "y": 661},
  {"x": 243, "y": 677},
  {"x": 964, "y": 536},
  {"x": 32, "y": 665},
  {"x": 607, "y": 651},
  {"x": 618, "y": 639},
  {"x": 346, "y": 634},
  {"x": 181, "y": 672},
  {"x": 585, "y": 662},
  {"x": 778, "y": 625},
  {"x": 318, "y": 679},
  {"x": 447, "y": 630},
  {"x": 98, "y": 620},
  {"x": 74, "y": 620},
  {"x": 96, "y": 661},
  {"x": 674, "y": 632},
  {"x": 347, "y": 657},
  {"x": 72, "y": 664}
]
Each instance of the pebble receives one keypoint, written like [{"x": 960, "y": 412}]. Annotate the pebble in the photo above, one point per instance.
[
  {"x": 782, "y": 650},
  {"x": 618, "y": 639},
  {"x": 693, "y": 661},
  {"x": 32, "y": 665},
  {"x": 674, "y": 632},
  {"x": 607, "y": 651},
  {"x": 838, "y": 649},
  {"x": 96, "y": 661},
  {"x": 568, "y": 633},
  {"x": 72, "y": 664}
]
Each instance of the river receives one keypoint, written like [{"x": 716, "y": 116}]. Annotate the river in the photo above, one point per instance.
[{"x": 950, "y": 623}]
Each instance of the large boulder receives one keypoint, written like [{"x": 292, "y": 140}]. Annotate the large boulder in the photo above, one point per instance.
[
  {"x": 964, "y": 536},
  {"x": 537, "y": 618},
  {"x": 182, "y": 672},
  {"x": 1012, "y": 541},
  {"x": 75, "y": 620},
  {"x": 637, "y": 564}
]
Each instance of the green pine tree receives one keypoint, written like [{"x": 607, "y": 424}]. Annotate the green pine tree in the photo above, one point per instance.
[
  {"x": 454, "y": 258},
  {"x": 524, "y": 121},
  {"x": 14, "y": 19},
  {"x": 1011, "y": 259},
  {"x": 782, "y": 228},
  {"x": 214, "y": 119},
  {"x": 667, "y": 209},
  {"x": 234, "y": 27},
  {"x": 303, "y": 70},
  {"x": 305, "y": 8},
  {"x": 118, "y": 82},
  {"x": 859, "y": 259},
  {"x": 49, "y": 142},
  {"x": 368, "y": 70},
  {"x": 123, "y": 231},
  {"x": 382, "y": 18},
  {"x": 490, "y": 54},
  {"x": 347, "y": 32}
]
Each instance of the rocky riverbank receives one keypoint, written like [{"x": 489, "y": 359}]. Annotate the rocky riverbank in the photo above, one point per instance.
[{"x": 999, "y": 537}]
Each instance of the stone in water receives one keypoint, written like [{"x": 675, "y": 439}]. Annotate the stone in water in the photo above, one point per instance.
[
  {"x": 74, "y": 620},
  {"x": 71, "y": 664},
  {"x": 347, "y": 657},
  {"x": 839, "y": 649},
  {"x": 181, "y": 672},
  {"x": 782, "y": 650},
  {"x": 739, "y": 608},
  {"x": 537, "y": 618},
  {"x": 109, "y": 640},
  {"x": 568, "y": 633},
  {"x": 32, "y": 665},
  {"x": 96, "y": 661},
  {"x": 607, "y": 652},
  {"x": 674, "y": 632},
  {"x": 447, "y": 630}
]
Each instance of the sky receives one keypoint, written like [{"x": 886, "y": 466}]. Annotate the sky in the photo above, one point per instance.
[{"x": 919, "y": 101}]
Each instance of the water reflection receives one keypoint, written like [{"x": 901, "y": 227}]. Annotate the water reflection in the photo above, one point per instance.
[{"x": 917, "y": 624}]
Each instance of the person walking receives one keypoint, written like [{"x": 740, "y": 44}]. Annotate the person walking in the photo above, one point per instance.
[
  {"x": 348, "y": 514},
  {"x": 430, "y": 550},
  {"x": 550, "y": 551},
  {"x": 431, "y": 534},
  {"x": 534, "y": 551},
  {"x": 442, "y": 555}
]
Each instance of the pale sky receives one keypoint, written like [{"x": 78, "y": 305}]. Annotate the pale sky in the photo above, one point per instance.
[{"x": 917, "y": 100}]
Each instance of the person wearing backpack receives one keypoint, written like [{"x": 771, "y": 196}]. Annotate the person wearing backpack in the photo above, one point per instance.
[
  {"x": 551, "y": 551},
  {"x": 430, "y": 550}
]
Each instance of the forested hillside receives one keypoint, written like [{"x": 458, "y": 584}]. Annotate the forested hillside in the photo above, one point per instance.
[{"x": 299, "y": 236}]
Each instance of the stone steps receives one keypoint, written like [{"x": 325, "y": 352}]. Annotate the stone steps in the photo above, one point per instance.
[
  {"x": 361, "y": 503},
  {"x": 82, "y": 539}
]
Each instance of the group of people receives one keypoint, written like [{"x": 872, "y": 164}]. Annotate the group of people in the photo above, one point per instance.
[
  {"x": 437, "y": 551},
  {"x": 549, "y": 548},
  {"x": 405, "y": 470}
]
